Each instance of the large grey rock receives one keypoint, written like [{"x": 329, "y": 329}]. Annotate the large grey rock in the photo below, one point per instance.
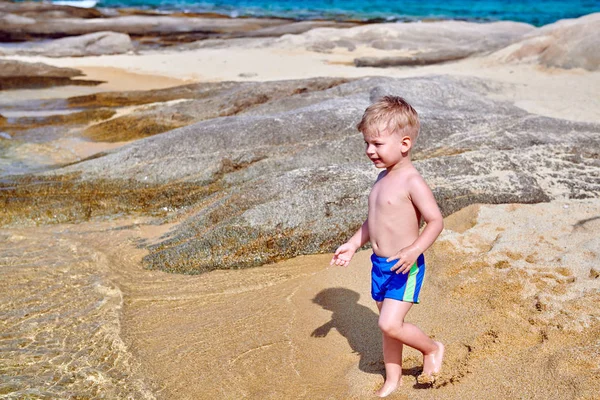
[
  {"x": 18, "y": 27},
  {"x": 402, "y": 39},
  {"x": 92, "y": 44},
  {"x": 421, "y": 58},
  {"x": 296, "y": 28},
  {"x": 200, "y": 101},
  {"x": 290, "y": 176},
  {"x": 44, "y": 10},
  {"x": 18, "y": 74},
  {"x": 572, "y": 43},
  {"x": 13, "y": 68}
]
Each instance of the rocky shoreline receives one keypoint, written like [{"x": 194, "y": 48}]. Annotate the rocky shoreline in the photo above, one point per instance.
[
  {"x": 33, "y": 28},
  {"x": 35, "y": 21}
]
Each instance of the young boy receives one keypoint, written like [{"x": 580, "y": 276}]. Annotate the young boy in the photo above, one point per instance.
[{"x": 397, "y": 202}]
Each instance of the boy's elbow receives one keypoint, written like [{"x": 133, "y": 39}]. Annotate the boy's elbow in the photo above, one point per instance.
[{"x": 438, "y": 223}]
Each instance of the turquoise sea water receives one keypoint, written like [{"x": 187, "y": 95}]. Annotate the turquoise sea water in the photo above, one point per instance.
[{"x": 536, "y": 12}]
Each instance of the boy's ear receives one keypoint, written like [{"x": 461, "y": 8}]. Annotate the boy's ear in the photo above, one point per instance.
[{"x": 406, "y": 144}]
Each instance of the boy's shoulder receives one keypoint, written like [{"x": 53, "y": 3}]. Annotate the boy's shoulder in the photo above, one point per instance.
[
  {"x": 413, "y": 176},
  {"x": 411, "y": 180}
]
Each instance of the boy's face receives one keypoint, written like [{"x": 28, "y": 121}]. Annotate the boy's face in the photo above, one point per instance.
[{"x": 386, "y": 149}]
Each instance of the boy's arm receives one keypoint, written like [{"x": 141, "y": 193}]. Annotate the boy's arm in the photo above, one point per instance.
[
  {"x": 422, "y": 198},
  {"x": 345, "y": 252}
]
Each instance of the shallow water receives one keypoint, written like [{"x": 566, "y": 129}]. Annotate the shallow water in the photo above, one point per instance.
[
  {"x": 61, "y": 323},
  {"x": 15, "y": 113},
  {"x": 82, "y": 318}
]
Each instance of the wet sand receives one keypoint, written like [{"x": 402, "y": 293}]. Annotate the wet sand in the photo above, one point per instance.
[
  {"x": 114, "y": 79},
  {"x": 118, "y": 79},
  {"x": 519, "y": 318}
]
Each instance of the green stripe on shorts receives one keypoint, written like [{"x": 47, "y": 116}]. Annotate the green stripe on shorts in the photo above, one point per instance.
[{"x": 411, "y": 284}]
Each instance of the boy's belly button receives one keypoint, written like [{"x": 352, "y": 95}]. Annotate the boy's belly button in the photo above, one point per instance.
[{"x": 375, "y": 247}]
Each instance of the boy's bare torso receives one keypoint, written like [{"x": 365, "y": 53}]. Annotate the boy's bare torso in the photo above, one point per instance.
[{"x": 393, "y": 220}]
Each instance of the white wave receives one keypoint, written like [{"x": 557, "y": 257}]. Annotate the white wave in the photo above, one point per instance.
[{"x": 76, "y": 3}]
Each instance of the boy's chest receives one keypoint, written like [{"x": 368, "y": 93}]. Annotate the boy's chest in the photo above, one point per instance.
[{"x": 388, "y": 194}]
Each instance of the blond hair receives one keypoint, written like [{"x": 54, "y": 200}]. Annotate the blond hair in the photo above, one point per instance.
[{"x": 393, "y": 114}]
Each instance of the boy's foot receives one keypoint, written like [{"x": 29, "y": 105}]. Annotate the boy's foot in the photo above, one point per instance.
[
  {"x": 432, "y": 365},
  {"x": 388, "y": 388}
]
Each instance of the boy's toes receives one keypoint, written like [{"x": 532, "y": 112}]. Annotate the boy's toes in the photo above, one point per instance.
[
  {"x": 432, "y": 365},
  {"x": 425, "y": 379}
]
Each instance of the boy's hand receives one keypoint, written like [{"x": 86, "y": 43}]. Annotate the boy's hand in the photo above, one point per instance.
[
  {"x": 343, "y": 255},
  {"x": 406, "y": 258}
]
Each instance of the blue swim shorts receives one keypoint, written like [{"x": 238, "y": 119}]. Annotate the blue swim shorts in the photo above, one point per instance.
[{"x": 388, "y": 284}]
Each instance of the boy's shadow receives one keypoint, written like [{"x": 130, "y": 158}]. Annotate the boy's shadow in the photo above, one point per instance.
[{"x": 358, "y": 324}]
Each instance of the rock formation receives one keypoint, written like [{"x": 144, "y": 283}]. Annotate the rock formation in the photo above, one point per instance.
[
  {"x": 569, "y": 43},
  {"x": 92, "y": 44},
  {"x": 428, "y": 41},
  {"x": 288, "y": 176},
  {"x": 29, "y": 21},
  {"x": 18, "y": 74}
]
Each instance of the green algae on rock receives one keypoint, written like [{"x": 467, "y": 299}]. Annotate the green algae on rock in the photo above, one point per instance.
[
  {"x": 131, "y": 127},
  {"x": 66, "y": 198},
  {"x": 76, "y": 118}
]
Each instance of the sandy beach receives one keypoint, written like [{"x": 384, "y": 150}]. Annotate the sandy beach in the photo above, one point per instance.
[
  {"x": 515, "y": 322},
  {"x": 512, "y": 289}
]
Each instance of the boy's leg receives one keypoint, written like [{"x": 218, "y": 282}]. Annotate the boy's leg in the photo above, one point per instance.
[
  {"x": 392, "y": 358},
  {"x": 391, "y": 323}
]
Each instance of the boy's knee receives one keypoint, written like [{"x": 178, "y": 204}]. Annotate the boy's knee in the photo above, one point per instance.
[{"x": 389, "y": 327}]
